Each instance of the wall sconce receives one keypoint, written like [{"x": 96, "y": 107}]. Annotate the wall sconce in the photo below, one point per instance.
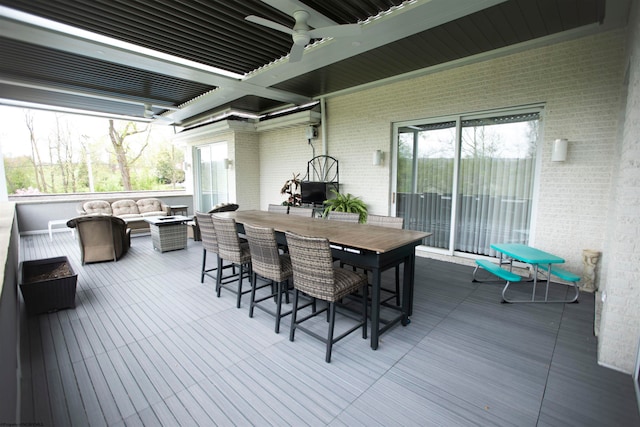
[
  {"x": 377, "y": 157},
  {"x": 559, "y": 150},
  {"x": 227, "y": 163}
]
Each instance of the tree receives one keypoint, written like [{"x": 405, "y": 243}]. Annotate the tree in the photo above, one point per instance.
[
  {"x": 61, "y": 152},
  {"x": 166, "y": 171},
  {"x": 79, "y": 155},
  {"x": 19, "y": 173},
  {"x": 35, "y": 153},
  {"x": 479, "y": 143},
  {"x": 86, "y": 168},
  {"x": 123, "y": 149}
]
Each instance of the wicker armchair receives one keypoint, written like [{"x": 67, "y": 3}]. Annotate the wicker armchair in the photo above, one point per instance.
[
  {"x": 267, "y": 262},
  {"x": 101, "y": 237},
  {"x": 232, "y": 250},
  {"x": 315, "y": 275}
]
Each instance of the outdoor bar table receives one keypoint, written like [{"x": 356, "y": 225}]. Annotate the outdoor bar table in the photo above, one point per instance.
[{"x": 377, "y": 248}]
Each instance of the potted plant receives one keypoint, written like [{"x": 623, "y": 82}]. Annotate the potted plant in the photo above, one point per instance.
[
  {"x": 48, "y": 284},
  {"x": 346, "y": 203},
  {"x": 291, "y": 187}
]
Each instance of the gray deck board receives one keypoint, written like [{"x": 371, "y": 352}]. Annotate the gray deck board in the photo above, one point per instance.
[
  {"x": 118, "y": 390},
  {"x": 148, "y": 344},
  {"x": 103, "y": 393},
  {"x": 95, "y": 416},
  {"x": 179, "y": 411}
]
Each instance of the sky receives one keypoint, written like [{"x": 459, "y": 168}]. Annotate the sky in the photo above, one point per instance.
[{"x": 14, "y": 134}]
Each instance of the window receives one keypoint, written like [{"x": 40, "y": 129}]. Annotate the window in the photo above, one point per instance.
[
  {"x": 211, "y": 187},
  {"x": 486, "y": 160}
]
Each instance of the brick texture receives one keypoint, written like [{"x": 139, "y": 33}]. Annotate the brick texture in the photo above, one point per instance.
[{"x": 620, "y": 326}]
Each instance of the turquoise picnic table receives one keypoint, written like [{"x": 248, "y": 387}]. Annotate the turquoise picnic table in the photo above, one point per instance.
[{"x": 536, "y": 258}]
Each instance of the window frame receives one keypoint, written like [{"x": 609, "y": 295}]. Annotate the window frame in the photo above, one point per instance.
[{"x": 538, "y": 108}]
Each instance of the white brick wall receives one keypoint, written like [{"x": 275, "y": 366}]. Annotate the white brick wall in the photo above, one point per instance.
[
  {"x": 620, "y": 325},
  {"x": 283, "y": 153},
  {"x": 242, "y": 150},
  {"x": 246, "y": 161},
  {"x": 580, "y": 82}
]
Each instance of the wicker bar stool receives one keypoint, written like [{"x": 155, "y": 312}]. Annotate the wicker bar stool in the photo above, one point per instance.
[
  {"x": 315, "y": 275},
  {"x": 221, "y": 207},
  {"x": 231, "y": 249},
  {"x": 391, "y": 222},
  {"x": 298, "y": 211},
  {"x": 209, "y": 243},
  {"x": 278, "y": 208},
  {"x": 343, "y": 216},
  {"x": 269, "y": 263},
  {"x": 210, "y": 246}
]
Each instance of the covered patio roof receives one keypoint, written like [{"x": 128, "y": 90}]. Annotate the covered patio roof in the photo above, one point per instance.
[{"x": 184, "y": 62}]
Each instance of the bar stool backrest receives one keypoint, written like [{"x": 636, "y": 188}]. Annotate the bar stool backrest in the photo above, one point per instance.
[
  {"x": 298, "y": 211},
  {"x": 386, "y": 221},
  {"x": 266, "y": 259},
  {"x": 229, "y": 247},
  {"x": 278, "y": 208},
  {"x": 344, "y": 216},
  {"x": 207, "y": 232}
]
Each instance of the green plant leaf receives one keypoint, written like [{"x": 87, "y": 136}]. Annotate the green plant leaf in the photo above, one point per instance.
[{"x": 346, "y": 203}]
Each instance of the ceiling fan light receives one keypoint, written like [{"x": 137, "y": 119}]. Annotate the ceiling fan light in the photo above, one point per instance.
[
  {"x": 301, "y": 39},
  {"x": 148, "y": 112}
]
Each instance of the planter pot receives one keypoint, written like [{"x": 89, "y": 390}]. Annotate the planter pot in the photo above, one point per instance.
[{"x": 48, "y": 285}]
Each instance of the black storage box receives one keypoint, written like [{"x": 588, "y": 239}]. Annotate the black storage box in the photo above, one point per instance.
[{"x": 48, "y": 284}]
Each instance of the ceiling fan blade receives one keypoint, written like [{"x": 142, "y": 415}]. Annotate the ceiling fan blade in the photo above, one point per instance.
[
  {"x": 265, "y": 22},
  {"x": 296, "y": 53},
  {"x": 336, "y": 31}
]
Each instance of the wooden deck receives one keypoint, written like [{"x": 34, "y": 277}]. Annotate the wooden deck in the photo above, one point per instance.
[{"x": 148, "y": 344}]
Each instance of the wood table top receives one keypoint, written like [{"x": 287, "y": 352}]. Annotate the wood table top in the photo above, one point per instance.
[{"x": 360, "y": 236}]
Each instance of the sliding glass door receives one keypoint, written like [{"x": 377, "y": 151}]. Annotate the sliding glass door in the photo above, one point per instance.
[
  {"x": 211, "y": 185},
  {"x": 425, "y": 162},
  {"x": 468, "y": 180}
]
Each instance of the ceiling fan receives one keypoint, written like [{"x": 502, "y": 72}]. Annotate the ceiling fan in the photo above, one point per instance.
[
  {"x": 150, "y": 114},
  {"x": 302, "y": 33}
]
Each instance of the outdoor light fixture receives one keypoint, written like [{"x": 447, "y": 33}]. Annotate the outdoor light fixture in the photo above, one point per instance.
[
  {"x": 377, "y": 158},
  {"x": 559, "y": 150},
  {"x": 227, "y": 163}
]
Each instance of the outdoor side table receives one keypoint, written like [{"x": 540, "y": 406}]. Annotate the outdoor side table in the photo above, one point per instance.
[
  {"x": 58, "y": 222},
  {"x": 168, "y": 233},
  {"x": 178, "y": 209}
]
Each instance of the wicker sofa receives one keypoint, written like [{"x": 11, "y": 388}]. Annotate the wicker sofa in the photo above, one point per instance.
[{"x": 131, "y": 211}]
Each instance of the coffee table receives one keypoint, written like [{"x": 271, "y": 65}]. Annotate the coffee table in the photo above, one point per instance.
[{"x": 168, "y": 233}]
